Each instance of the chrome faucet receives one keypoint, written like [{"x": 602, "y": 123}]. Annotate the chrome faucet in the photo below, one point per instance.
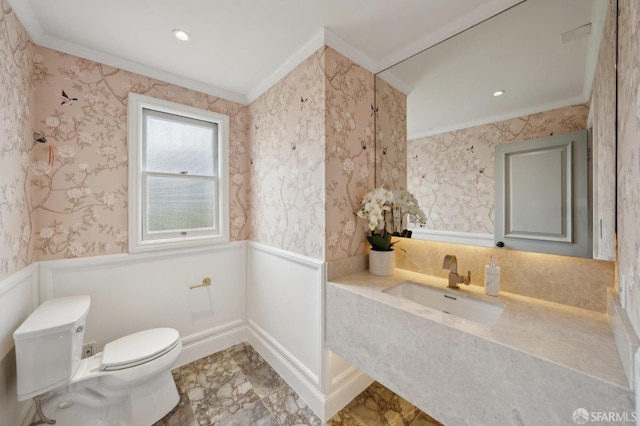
[{"x": 451, "y": 263}]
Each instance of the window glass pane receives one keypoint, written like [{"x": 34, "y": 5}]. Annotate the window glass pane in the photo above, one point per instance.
[
  {"x": 176, "y": 144},
  {"x": 180, "y": 203}
]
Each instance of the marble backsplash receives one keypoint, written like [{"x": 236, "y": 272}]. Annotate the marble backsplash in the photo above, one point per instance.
[
  {"x": 567, "y": 280},
  {"x": 346, "y": 266}
]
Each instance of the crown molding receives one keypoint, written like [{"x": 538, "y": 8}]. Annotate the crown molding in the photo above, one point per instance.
[
  {"x": 31, "y": 23},
  {"x": 338, "y": 44},
  {"x": 461, "y": 24},
  {"x": 324, "y": 37},
  {"x": 138, "y": 68},
  {"x": 308, "y": 49},
  {"x": 396, "y": 82},
  {"x": 464, "y": 22},
  {"x": 501, "y": 117},
  {"x": 598, "y": 21},
  {"x": 34, "y": 28},
  {"x": 28, "y": 18}
]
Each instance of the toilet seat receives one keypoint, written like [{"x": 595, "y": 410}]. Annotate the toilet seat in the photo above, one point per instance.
[{"x": 138, "y": 348}]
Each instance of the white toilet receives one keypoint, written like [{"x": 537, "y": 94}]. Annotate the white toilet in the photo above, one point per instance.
[{"x": 129, "y": 383}]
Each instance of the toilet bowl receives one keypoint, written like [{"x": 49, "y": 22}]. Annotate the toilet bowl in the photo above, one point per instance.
[{"x": 128, "y": 383}]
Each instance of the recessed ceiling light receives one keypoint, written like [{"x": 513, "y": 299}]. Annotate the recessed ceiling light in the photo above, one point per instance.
[
  {"x": 499, "y": 92},
  {"x": 181, "y": 35}
]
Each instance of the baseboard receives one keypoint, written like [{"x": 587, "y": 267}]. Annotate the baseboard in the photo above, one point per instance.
[
  {"x": 283, "y": 353},
  {"x": 199, "y": 345},
  {"x": 344, "y": 388},
  {"x": 307, "y": 390},
  {"x": 347, "y": 387}
]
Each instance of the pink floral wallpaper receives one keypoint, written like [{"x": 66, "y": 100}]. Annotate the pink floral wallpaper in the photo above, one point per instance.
[
  {"x": 311, "y": 140},
  {"x": 628, "y": 265},
  {"x": 603, "y": 103},
  {"x": 79, "y": 184},
  {"x": 16, "y": 142},
  {"x": 306, "y": 144},
  {"x": 349, "y": 167},
  {"x": 287, "y": 136},
  {"x": 452, "y": 176},
  {"x": 391, "y": 136}
]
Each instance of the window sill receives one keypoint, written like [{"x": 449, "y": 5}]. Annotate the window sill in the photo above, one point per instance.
[{"x": 156, "y": 245}]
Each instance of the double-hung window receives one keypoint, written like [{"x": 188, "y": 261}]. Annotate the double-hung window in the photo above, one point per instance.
[{"x": 178, "y": 175}]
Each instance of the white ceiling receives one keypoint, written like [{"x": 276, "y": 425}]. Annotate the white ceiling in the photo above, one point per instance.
[
  {"x": 239, "y": 48},
  {"x": 451, "y": 85}
]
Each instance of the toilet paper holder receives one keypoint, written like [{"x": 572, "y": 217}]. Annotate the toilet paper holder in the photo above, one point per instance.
[{"x": 205, "y": 282}]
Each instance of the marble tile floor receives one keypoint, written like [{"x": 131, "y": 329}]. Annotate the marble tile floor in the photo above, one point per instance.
[{"x": 236, "y": 387}]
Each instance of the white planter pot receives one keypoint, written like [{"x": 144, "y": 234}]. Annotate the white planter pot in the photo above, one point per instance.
[{"x": 382, "y": 263}]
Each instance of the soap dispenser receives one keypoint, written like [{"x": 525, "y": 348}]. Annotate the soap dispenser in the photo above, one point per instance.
[{"x": 492, "y": 278}]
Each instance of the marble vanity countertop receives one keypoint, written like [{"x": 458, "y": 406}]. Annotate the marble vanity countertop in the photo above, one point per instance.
[{"x": 570, "y": 337}]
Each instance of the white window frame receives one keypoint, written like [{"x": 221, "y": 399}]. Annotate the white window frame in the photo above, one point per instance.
[{"x": 137, "y": 241}]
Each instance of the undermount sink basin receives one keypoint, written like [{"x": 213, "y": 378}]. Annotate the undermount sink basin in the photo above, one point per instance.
[{"x": 450, "y": 302}]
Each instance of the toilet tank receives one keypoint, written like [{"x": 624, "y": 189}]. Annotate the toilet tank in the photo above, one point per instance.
[{"x": 49, "y": 345}]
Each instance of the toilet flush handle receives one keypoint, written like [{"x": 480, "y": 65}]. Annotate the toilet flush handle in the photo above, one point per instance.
[
  {"x": 79, "y": 329},
  {"x": 205, "y": 282}
]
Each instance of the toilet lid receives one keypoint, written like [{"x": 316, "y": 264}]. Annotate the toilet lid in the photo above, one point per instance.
[{"x": 138, "y": 348}]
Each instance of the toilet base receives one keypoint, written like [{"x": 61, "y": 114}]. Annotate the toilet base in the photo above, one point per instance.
[
  {"x": 154, "y": 400},
  {"x": 142, "y": 405}
]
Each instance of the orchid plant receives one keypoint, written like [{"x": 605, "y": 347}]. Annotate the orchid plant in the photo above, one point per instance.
[
  {"x": 376, "y": 203},
  {"x": 405, "y": 203}
]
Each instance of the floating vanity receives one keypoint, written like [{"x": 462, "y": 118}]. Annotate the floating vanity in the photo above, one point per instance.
[{"x": 507, "y": 360}]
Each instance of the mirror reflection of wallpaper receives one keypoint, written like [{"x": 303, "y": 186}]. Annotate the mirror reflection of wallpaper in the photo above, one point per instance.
[
  {"x": 79, "y": 187},
  {"x": 391, "y": 134},
  {"x": 16, "y": 122},
  {"x": 629, "y": 156},
  {"x": 452, "y": 174}
]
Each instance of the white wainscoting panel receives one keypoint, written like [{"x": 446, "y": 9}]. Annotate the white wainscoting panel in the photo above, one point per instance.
[
  {"x": 130, "y": 293},
  {"x": 18, "y": 298},
  {"x": 285, "y": 317}
]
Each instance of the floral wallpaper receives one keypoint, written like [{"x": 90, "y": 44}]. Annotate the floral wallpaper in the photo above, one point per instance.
[
  {"x": 603, "y": 103},
  {"x": 307, "y": 144},
  {"x": 79, "y": 184},
  {"x": 350, "y": 149},
  {"x": 287, "y": 133},
  {"x": 312, "y": 158},
  {"x": 628, "y": 266},
  {"x": 16, "y": 122},
  {"x": 391, "y": 136},
  {"x": 451, "y": 174}
]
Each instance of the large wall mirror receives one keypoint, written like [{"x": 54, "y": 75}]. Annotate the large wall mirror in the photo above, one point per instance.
[{"x": 540, "y": 68}]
